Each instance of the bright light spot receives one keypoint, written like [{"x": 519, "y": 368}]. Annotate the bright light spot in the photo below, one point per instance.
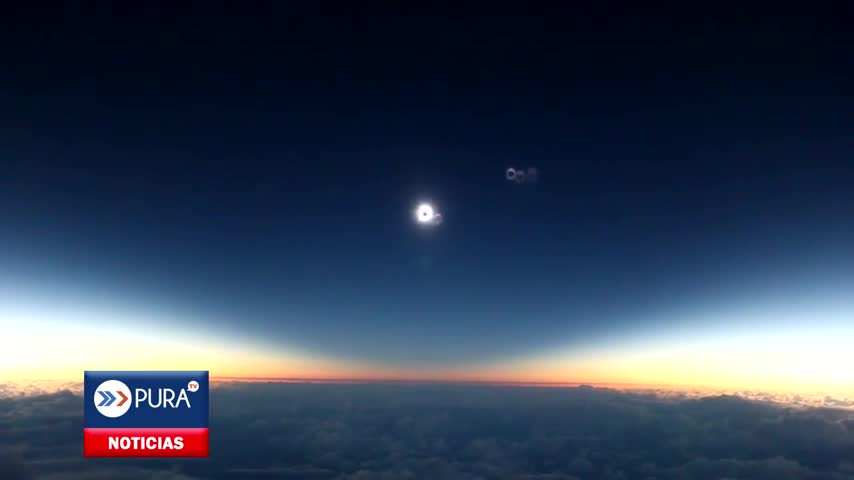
[{"x": 425, "y": 213}]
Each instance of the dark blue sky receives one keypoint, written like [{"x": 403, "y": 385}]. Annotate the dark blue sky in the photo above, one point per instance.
[{"x": 258, "y": 168}]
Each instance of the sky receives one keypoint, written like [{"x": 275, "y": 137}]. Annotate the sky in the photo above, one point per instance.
[{"x": 233, "y": 191}]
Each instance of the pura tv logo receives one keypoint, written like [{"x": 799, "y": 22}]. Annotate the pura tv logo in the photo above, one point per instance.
[
  {"x": 112, "y": 399},
  {"x": 145, "y": 414}
]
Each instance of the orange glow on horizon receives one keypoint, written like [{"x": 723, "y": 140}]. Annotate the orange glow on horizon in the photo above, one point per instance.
[{"x": 58, "y": 345}]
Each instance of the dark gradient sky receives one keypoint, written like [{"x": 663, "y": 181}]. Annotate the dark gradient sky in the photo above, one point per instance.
[{"x": 257, "y": 170}]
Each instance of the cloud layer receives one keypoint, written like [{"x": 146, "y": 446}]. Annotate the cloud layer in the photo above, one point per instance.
[{"x": 453, "y": 432}]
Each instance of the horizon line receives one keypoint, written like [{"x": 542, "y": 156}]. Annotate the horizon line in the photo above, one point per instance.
[{"x": 439, "y": 381}]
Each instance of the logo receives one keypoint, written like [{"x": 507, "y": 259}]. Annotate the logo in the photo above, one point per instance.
[
  {"x": 145, "y": 414},
  {"x": 112, "y": 399}
]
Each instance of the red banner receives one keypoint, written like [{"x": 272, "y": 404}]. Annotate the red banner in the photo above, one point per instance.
[{"x": 145, "y": 442}]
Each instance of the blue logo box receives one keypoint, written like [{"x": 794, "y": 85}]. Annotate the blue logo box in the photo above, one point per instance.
[{"x": 158, "y": 399}]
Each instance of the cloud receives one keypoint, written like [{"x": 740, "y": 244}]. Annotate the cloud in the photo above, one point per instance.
[
  {"x": 354, "y": 432},
  {"x": 101, "y": 473},
  {"x": 13, "y": 465}
]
